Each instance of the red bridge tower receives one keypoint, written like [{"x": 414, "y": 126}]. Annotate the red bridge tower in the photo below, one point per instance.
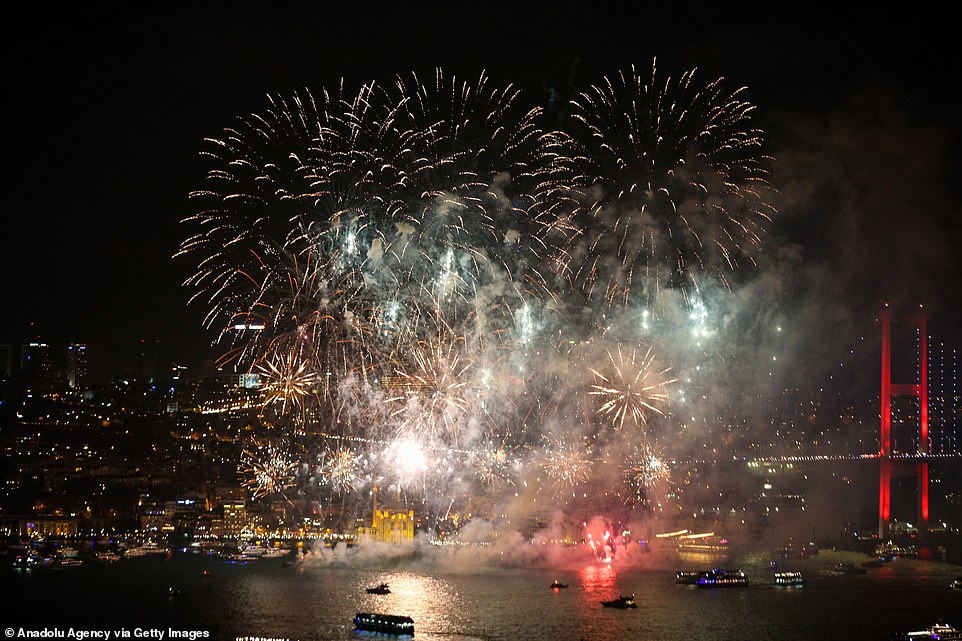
[{"x": 920, "y": 390}]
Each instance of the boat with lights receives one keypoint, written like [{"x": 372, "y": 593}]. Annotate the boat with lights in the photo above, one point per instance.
[
  {"x": 789, "y": 578},
  {"x": 558, "y": 584},
  {"x": 937, "y": 632},
  {"x": 689, "y": 577},
  {"x": 384, "y": 623},
  {"x": 719, "y": 578},
  {"x": 621, "y": 603}
]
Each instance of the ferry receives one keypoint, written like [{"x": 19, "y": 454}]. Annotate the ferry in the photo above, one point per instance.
[
  {"x": 689, "y": 577},
  {"x": 384, "y": 624},
  {"x": 789, "y": 578},
  {"x": 937, "y": 632},
  {"x": 719, "y": 578}
]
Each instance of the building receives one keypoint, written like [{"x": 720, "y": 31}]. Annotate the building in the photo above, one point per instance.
[
  {"x": 945, "y": 402},
  {"x": 77, "y": 378},
  {"x": 389, "y": 526}
]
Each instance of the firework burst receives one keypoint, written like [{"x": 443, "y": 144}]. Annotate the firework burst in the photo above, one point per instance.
[
  {"x": 632, "y": 388},
  {"x": 434, "y": 390},
  {"x": 267, "y": 471},
  {"x": 675, "y": 186},
  {"x": 341, "y": 469},
  {"x": 565, "y": 462},
  {"x": 647, "y": 472}
]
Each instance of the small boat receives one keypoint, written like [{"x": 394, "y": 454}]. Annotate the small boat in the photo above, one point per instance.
[
  {"x": 384, "y": 623},
  {"x": 380, "y": 589},
  {"x": 847, "y": 568},
  {"x": 174, "y": 592},
  {"x": 67, "y": 562},
  {"x": 956, "y": 583},
  {"x": 558, "y": 584},
  {"x": 939, "y": 631},
  {"x": 789, "y": 578},
  {"x": 207, "y": 573},
  {"x": 622, "y": 603}
]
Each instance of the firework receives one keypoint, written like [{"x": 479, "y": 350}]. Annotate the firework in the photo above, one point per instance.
[
  {"x": 434, "y": 391},
  {"x": 341, "y": 469},
  {"x": 396, "y": 264},
  {"x": 647, "y": 472},
  {"x": 493, "y": 463},
  {"x": 267, "y": 471},
  {"x": 675, "y": 186},
  {"x": 565, "y": 462},
  {"x": 632, "y": 387}
]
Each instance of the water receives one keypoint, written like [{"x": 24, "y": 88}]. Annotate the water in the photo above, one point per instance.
[{"x": 307, "y": 602}]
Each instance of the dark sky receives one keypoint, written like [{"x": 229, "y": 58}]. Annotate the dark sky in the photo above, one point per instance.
[{"x": 109, "y": 107}]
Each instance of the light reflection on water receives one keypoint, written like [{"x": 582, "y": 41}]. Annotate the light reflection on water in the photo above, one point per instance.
[{"x": 318, "y": 603}]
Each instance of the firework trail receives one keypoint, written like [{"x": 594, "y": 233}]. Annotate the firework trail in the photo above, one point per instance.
[{"x": 675, "y": 186}]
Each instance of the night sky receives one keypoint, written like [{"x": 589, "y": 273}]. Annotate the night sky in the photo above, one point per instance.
[{"x": 109, "y": 108}]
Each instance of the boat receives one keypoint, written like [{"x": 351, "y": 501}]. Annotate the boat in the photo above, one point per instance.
[
  {"x": 789, "y": 578},
  {"x": 873, "y": 563},
  {"x": 847, "y": 568},
  {"x": 67, "y": 562},
  {"x": 622, "y": 603},
  {"x": 956, "y": 583},
  {"x": 207, "y": 573},
  {"x": 719, "y": 578},
  {"x": 384, "y": 623},
  {"x": 379, "y": 589},
  {"x": 174, "y": 592},
  {"x": 273, "y": 553},
  {"x": 241, "y": 558},
  {"x": 689, "y": 577},
  {"x": 108, "y": 557},
  {"x": 937, "y": 632},
  {"x": 558, "y": 584}
]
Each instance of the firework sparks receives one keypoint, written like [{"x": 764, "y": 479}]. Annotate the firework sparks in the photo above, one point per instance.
[
  {"x": 565, "y": 462},
  {"x": 434, "y": 391},
  {"x": 267, "y": 471},
  {"x": 341, "y": 469},
  {"x": 411, "y": 256},
  {"x": 632, "y": 388},
  {"x": 676, "y": 185},
  {"x": 288, "y": 378}
]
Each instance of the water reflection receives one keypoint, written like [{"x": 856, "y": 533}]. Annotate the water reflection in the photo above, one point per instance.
[
  {"x": 599, "y": 582},
  {"x": 429, "y": 600}
]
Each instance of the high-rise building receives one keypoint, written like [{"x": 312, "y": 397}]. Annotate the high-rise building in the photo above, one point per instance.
[
  {"x": 945, "y": 402},
  {"x": 77, "y": 366},
  {"x": 37, "y": 366}
]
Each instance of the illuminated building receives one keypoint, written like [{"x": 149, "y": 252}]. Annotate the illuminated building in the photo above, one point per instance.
[
  {"x": 388, "y": 526},
  {"x": 77, "y": 366},
  {"x": 945, "y": 402}
]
